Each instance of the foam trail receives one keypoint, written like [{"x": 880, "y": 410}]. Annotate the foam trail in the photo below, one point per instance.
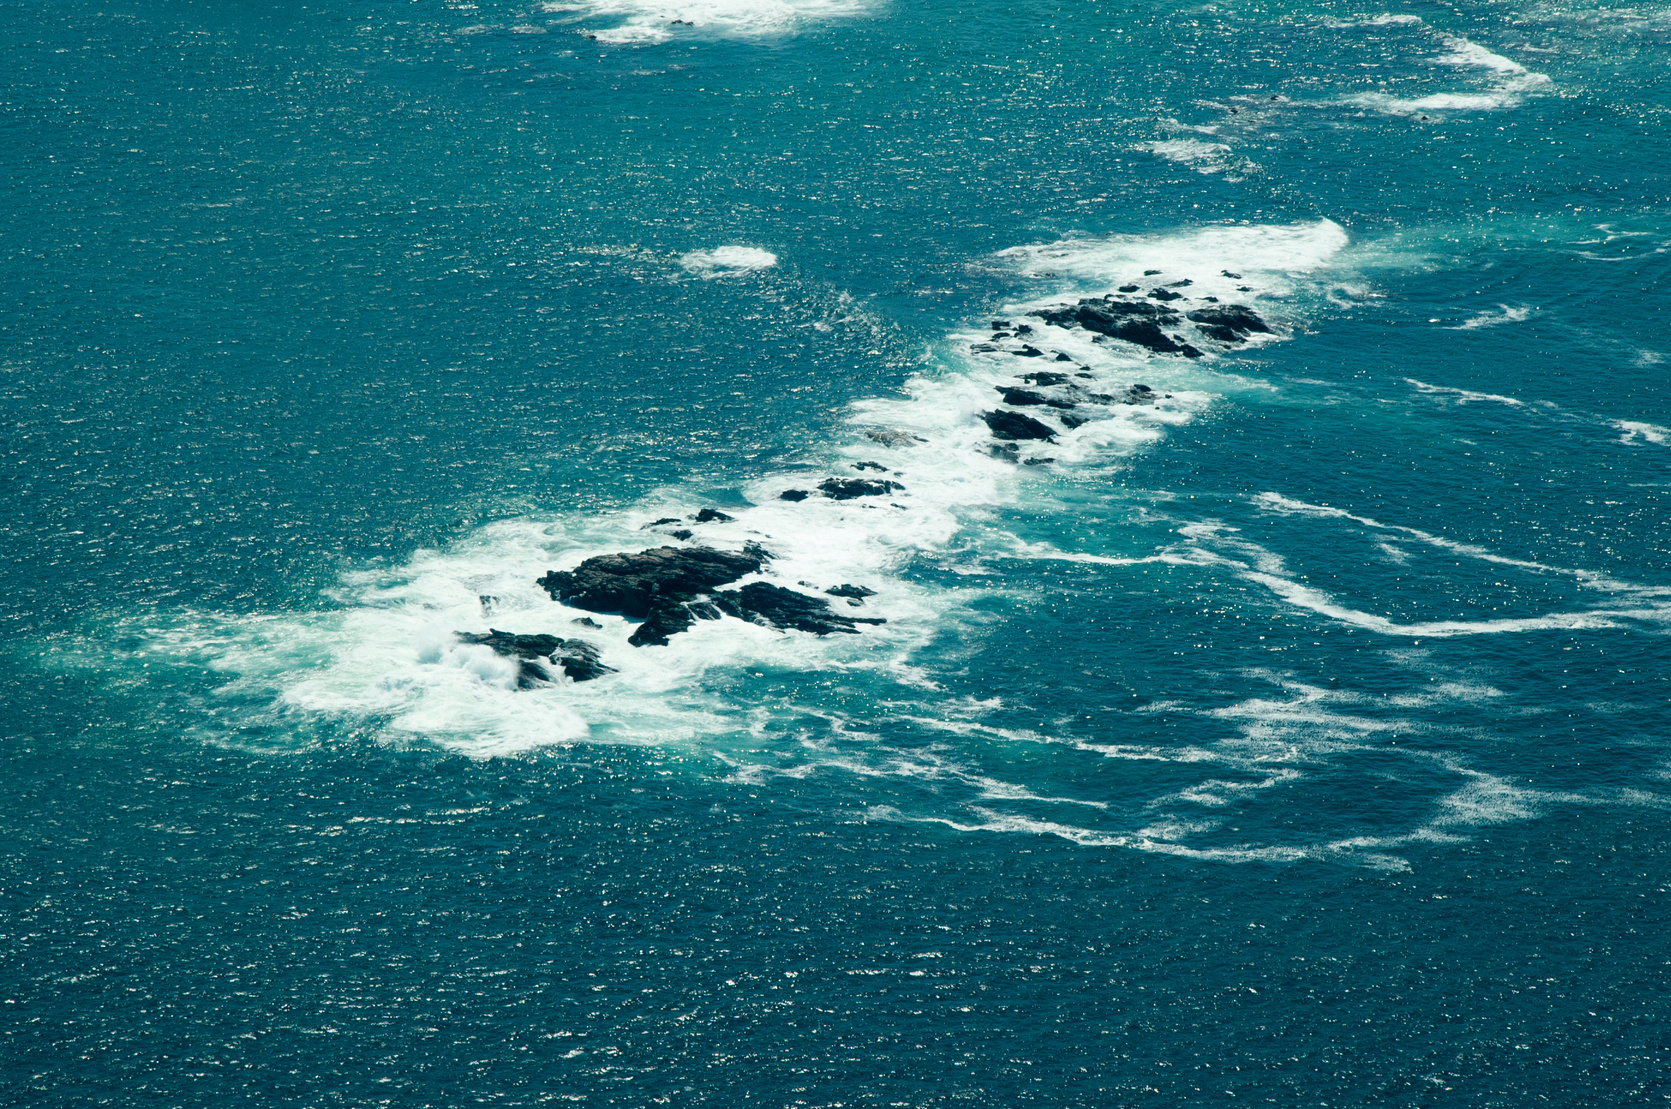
[{"x": 652, "y": 21}]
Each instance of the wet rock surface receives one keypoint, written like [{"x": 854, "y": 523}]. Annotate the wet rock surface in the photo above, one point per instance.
[
  {"x": 847, "y": 488},
  {"x": 1228, "y": 323},
  {"x": 1132, "y": 321},
  {"x": 577, "y": 658},
  {"x": 776, "y": 607},
  {"x": 1014, "y": 425},
  {"x": 654, "y": 586}
]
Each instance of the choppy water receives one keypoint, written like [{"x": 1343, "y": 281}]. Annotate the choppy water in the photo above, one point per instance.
[{"x": 1298, "y": 736}]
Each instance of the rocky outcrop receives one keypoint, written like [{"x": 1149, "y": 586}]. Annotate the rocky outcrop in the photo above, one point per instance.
[
  {"x": 793, "y": 495},
  {"x": 847, "y": 488},
  {"x": 853, "y": 592},
  {"x": 1132, "y": 321},
  {"x": 577, "y": 658},
  {"x": 776, "y": 607},
  {"x": 1228, "y": 323},
  {"x": 1014, "y": 425},
  {"x": 712, "y": 516},
  {"x": 655, "y": 586}
]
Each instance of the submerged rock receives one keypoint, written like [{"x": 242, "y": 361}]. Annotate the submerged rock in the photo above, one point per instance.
[
  {"x": 660, "y": 522},
  {"x": 857, "y": 592},
  {"x": 1228, "y": 323},
  {"x": 793, "y": 495},
  {"x": 1164, "y": 293},
  {"x": 1045, "y": 377},
  {"x": 877, "y": 466},
  {"x": 712, "y": 516},
  {"x": 654, "y": 586},
  {"x": 847, "y": 488},
  {"x": 776, "y": 607},
  {"x": 892, "y": 437},
  {"x": 1013, "y": 425},
  {"x": 578, "y": 659}
]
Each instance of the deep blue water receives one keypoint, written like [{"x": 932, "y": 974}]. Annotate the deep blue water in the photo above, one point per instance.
[{"x": 1300, "y": 737}]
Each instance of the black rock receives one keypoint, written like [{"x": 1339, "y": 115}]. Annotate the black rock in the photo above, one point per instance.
[
  {"x": 488, "y": 603},
  {"x": 892, "y": 437},
  {"x": 1020, "y": 397},
  {"x": 1185, "y": 283},
  {"x": 857, "y": 592},
  {"x": 793, "y": 495},
  {"x": 1165, "y": 294},
  {"x": 586, "y": 622},
  {"x": 877, "y": 466},
  {"x": 1231, "y": 276},
  {"x": 1000, "y": 325},
  {"x": 1141, "y": 388},
  {"x": 1132, "y": 321},
  {"x": 1023, "y": 329},
  {"x": 712, "y": 516},
  {"x": 1073, "y": 421},
  {"x": 1060, "y": 357},
  {"x": 1189, "y": 350},
  {"x": 1228, "y": 323},
  {"x": 1085, "y": 375},
  {"x": 680, "y": 533},
  {"x": 1150, "y": 273},
  {"x": 1031, "y": 352},
  {"x": 652, "y": 585},
  {"x": 1045, "y": 377},
  {"x": 578, "y": 658},
  {"x": 846, "y": 488},
  {"x": 1007, "y": 452},
  {"x": 660, "y": 522},
  {"x": 1037, "y": 461},
  {"x": 1013, "y": 425},
  {"x": 982, "y": 348},
  {"x": 1129, "y": 288},
  {"x": 776, "y": 607}
]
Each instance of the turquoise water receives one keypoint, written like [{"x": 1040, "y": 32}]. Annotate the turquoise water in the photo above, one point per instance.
[{"x": 1297, "y": 737}]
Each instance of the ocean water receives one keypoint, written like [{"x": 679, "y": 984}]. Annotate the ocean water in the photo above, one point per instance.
[{"x": 1296, "y": 733}]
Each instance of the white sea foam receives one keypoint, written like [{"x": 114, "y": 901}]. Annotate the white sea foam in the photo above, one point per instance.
[
  {"x": 1505, "y": 314},
  {"x": 726, "y": 261},
  {"x": 1201, "y": 156},
  {"x": 1510, "y": 82},
  {"x": 1637, "y": 431},
  {"x": 1463, "y": 396},
  {"x": 649, "y": 21}
]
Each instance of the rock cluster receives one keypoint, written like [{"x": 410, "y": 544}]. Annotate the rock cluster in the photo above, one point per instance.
[
  {"x": 670, "y": 588},
  {"x": 1133, "y": 321}
]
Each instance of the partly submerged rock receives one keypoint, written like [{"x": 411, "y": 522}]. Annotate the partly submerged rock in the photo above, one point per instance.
[
  {"x": 1013, "y": 425},
  {"x": 653, "y": 586},
  {"x": 847, "y": 488},
  {"x": 1130, "y": 320},
  {"x": 793, "y": 495},
  {"x": 892, "y": 436},
  {"x": 857, "y": 592},
  {"x": 1228, "y": 323},
  {"x": 776, "y": 607},
  {"x": 712, "y": 516},
  {"x": 1021, "y": 398},
  {"x": 578, "y": 659}
]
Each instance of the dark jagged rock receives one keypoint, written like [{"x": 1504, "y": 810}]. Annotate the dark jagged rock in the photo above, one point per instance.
[
  {"x": 653, "y": 586},
  {"x": 1071, "y": 421},
  {"x": 1130, "y": 320},
  {"x": 660, "y": 522},
  {"x": 1231, "y": 276},
  {"x": 578, "y": 659},
  {"x": 1005, "y": 452},
  {"x": 846, "y": 488},
  {"x": 1228, "y": 323},
  {"x": 1150, "y": 273},
  {"x": 1185, "y": 283},
  {"x": 712, "y": 516},
  {"x": 776, "y": 607},
  {"x": 488, "y": 602},
  {"x": 1000, "y": 325},
  {"x": 1189, "y": 350},
  {"x": 1023, "y": 329},
  {"x": 1129, "y": 288},
  {"x": 982, "y": 348},
  {"x": 1024, "y": 397},
  {"x": 586, "y": 622},
  {"x": 1045, "y": 377},
  {"x": 1037, "y": 461},
  {"x": 1030, "y": 352},
  {"x": 1013, "y": 425},
  {"x": 793, "y": 495},
  {"x": 877, "y": 466},
  {"x": 1060, "y": 357},
  {"x": 856, "y": 592},
  {"x": 1210, "y": 300},
  {"x": 1165, "y": 294},
  {"x": 1085, "y": 375}
]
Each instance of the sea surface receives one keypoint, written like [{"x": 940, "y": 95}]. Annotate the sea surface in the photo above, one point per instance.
[{"x": 1294, "y": 730}]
